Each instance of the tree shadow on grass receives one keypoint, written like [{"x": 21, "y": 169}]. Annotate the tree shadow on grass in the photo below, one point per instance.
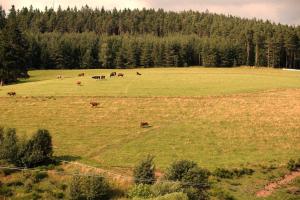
[{"x": 67, "y": 158}]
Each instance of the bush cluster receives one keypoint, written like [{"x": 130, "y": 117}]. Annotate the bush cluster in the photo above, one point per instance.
[
  {"x": 144, "y": 172},
  {"x": 89, "y": 187},
  {"x": 229, "y": 174},
  {"x": 183, "y": 180},
  {"x": 26, "y": 153},
  {"x": 293, "y": 165}
]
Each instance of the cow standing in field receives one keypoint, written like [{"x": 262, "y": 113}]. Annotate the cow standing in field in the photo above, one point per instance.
[
  {"x": 11, "y": 93},
  {"x": 145, "y": 125},
  {"x": 96, "y": 77},
  {"x": 102, "y": 77},
  {"x": 81, "y": 74},
  {"x": 59, "y": 77},
  {"x": 113, "y": 74},
  {"x": 78, "y": 83},
  {"x": 120, "y": 75},
  {"x": 94, "y": 104},
  {"x": 138, "y": 73}
]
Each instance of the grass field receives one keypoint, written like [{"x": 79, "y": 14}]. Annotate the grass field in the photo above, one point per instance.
[
  {"x": 256, "y": 122},
  {"x": 216, "y": 117},
  {"x": 156, "y": 82}
]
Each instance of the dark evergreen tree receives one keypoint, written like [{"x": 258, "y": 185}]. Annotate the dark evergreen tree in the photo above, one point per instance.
[{"x": 13, "y": 51}]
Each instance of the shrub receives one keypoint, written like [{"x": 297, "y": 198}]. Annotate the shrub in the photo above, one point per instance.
[
  {"x": 196, "y": 194},
  {"x": 5, "y": 191},
  {"x": 221, "y": 195},
  {"x": 140, "y": 191},
  {"x": 178, "y": 169},
  {"x": 163, "y": 188},
  {"x": 38, "y": 176},
  {"x": 144, "y": 172},
  {"x": 38, "y": 150},
  {"x": 292, "y": 165},
  {"x": 31, "y": 153},
  {"x": 225, "y": 173},
  {"x": 173, "y": 196},
  {"x": 8, "y": 145},
  {"x": 89, "y": 187},
  {"x": 197, "y": 178},
  {"x": 194, "y": 179}
]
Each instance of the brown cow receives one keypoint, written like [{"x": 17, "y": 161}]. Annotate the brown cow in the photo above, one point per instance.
[
  {"x": 120, "y": 75},
  {"x": 113, "y": 74},
  {"x": 78, "y": 83},
  {"x": 145, "y": 125},
  {"x": 94, "y": 104},
  {"x": 81, "y": 74},
  {"x": 138, "y": 73},
  {"x": 11, "y": 93},
  {"x": 96, "y": 77}
]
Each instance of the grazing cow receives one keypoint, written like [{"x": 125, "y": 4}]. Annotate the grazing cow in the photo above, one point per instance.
[
  {"x": 78, "y": 83},
  {"x": 113, "y": 74},
  {"x": 96, "y": 77},
  {"x": 145, "y": 125},
  {"x": 120, "y": 75},
  {"x": 94, "y": 104},
  {"x": 102, "y": 77},
  {"x": 81, "y": 74},
  {"x": 11, "y": 93},
  {"x": 138, "y": 73}
]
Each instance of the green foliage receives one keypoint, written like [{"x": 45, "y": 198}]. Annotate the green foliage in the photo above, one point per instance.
[
  {"x": 193, "y": 179},
  {"x": 293, "y": 165},
  {"x": 34, "y": 152},
  {"x": 140, "y": 191},
  {"x": 5, "y": 191},
  {"x": 9, "y": 145},
  {"x": 13, "y": 46},
  {"x": 179, "y": 169},
  {"x": 163, "y": 188},
  {"x": 225, "y": 173},
  {"x": 89, "y": 187},
  {"x": 37, "y": 150},
  {"x": 144, "y": 172},
  {"x": 221, "y": 195},
  {"x": 38, "y": 176}
]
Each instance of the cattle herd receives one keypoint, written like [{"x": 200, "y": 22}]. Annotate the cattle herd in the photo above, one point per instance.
[{"x": 95, "y": 104}]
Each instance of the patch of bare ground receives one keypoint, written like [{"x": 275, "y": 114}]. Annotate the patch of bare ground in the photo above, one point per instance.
[{"x": 271, "y": 187}]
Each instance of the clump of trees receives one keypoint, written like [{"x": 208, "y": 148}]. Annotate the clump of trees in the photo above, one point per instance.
[
  {"x": 33, "y": 152},
  {"x": 183, "y": 178}
]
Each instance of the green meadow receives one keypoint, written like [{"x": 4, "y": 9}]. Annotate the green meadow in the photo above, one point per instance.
[{"x": 217, "y": 117}]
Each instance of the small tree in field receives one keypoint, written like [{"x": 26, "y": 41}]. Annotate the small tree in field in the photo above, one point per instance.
[
  {"x": 144, "y": 172},
  {"x": 8, "y": 145},
  {"x": 38, "y": 150}
]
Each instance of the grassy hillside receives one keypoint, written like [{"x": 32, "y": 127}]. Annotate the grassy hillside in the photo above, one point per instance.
[
  {"x": 216, "y": 131},
  {"x": 237, "y": 117},
  {"x": 155, "y": 82}
]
